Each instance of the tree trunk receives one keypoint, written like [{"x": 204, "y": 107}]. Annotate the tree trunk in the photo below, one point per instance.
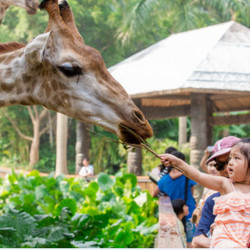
[
  {"x": 182, "y": 130},
  {"x": 82, "y": 144},
  {"x": 51, "y": 139},
  {"x": 198, "y": 140},
  {"x": 35, "y": 144},
  {"x": 61, "y": 144},
  {"x": 134, "y": 161}
]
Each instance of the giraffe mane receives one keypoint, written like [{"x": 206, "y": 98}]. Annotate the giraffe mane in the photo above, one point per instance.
[{"x": 10, "y": 46}]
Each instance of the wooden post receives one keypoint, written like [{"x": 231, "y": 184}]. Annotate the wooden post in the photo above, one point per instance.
[
  {"x": 210, "y": 109},
  {"x": 82, "y": 144},
  {"x": 134, "y": 158},
  {"x": 182, "y": 130},
  {"x": 134, "y": 161},
  {"x": 168, "y": 232},
  {"x": 198, "y": 140},
  {"x": 61, "y": 144}
]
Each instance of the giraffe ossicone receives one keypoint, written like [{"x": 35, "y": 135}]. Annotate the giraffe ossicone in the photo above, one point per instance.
[
  {"x": 30, "y": 6},
  {"x": 60, "y": 72}
]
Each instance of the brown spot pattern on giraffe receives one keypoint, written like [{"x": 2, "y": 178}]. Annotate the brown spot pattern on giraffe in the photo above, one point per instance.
[
  {"x": 54, "y": 85},
  {"x": 7, "y": 87},
  {"x": 26, "y": 78},
  {"x": 19, "y": 91}
]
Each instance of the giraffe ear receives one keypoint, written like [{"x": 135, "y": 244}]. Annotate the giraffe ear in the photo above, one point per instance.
[{"x": 34, "y": 50}]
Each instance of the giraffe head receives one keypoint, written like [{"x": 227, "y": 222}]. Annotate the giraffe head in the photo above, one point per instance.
[{"x": 68, "y": 76}]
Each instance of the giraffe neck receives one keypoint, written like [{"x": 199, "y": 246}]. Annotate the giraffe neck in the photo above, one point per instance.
[{"x": 13, "y": 79}]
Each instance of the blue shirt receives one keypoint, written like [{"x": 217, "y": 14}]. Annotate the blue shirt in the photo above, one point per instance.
[
  {"x": 175, "y": 189},
  {"x": 207, "y": 216}
]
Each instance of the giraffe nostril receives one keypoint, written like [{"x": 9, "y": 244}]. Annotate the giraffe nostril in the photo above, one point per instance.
[{"x": 139, "y": 116}]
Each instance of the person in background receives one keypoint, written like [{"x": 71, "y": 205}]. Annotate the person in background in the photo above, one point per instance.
[
  {"x": 210, "y": 169},
  {"x": 232, "y": 222},
  {"x": 181, "y": 210},
  {"x": 163, "y": 169},
  {"x": 207, "y": 153},
  {"x": 87, "y": 170},
  {"x": 177, "y": 186},
  {"x": 220, "y": 154}
]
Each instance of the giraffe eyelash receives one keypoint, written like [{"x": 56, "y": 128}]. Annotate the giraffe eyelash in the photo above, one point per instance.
[{"x": 69, "y": 70}]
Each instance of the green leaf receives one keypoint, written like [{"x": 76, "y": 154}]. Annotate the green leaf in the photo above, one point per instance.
[
  {"x": 119, "y": 209},
  {"x": 79, "y": 220},
  {"x": 68, "y": 203},
  {"x": 129, "y": 178},
  {"x": 57, "y": 233},
  {"x": 21, "y": 222},
  {"x": 44, "y": 220},
  {"x": 87, "y": 244},
  {"x": 34, "y": 242},
  {"x": 105, "y": 182},
  {"x": 124, "y": 238},
  {"x": 144, "y": 230},
  {"x": 5, "y": 229}
]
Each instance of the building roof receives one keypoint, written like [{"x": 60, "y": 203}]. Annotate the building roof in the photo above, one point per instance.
[
  {"x": 214, "y": 61},
  {"x": 213, "y": 58}
]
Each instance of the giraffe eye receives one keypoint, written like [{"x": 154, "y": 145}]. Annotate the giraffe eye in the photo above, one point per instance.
[{"x": 69, "y": 70}]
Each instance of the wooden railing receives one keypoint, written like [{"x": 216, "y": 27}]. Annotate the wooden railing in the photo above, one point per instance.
[
  {"x": 168, "y": 231},
  {"x": 142, "y": 181}
]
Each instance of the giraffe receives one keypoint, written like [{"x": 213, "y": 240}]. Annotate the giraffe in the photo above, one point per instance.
[
  {"x": 30, "y": 6},
  {"x": 60, "y": 72}
]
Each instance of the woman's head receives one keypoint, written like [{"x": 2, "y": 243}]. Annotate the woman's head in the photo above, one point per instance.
[{"x": 211, "y": 169}]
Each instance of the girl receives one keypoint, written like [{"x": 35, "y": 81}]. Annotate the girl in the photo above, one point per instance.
[{"x": 232, "y": 208}]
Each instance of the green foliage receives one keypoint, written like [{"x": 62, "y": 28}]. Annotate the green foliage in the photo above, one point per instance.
[
  {"x": 48, "y": 212},
  {"x": 16, "y": 148},
  {"x": 168, "y": 128},
  {"x": 104, "y": 153},
  {"x": 47, "y": 162},
  {"x": 242, "y": 130},
  {"x": 159, "y": 145}
]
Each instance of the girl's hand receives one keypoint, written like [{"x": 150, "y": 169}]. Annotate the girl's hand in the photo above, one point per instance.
[{"x": 169, "y": 160}]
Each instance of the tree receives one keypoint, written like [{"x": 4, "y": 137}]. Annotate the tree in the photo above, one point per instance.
[
  {"x": 37, "y": 115},
  {"x": 177, "y": 16},
  {"x": 61, "y": 144},
  {"x": 82, "y": 144}
]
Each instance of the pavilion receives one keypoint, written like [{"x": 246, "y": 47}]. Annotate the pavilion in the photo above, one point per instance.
[{"x": 202, "y": 73}]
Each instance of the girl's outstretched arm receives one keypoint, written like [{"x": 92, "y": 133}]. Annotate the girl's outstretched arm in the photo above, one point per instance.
[{"x": 217, "y": 183}]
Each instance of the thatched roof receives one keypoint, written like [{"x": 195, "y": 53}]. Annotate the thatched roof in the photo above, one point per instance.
[{"x": 213, "y": 60}]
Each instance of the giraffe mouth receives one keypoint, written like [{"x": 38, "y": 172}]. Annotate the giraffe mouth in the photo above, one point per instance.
[{"x": 128, "y": 135}]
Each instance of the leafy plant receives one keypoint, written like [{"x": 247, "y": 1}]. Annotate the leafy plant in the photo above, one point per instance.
[{"x": 48, "y": 212}]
